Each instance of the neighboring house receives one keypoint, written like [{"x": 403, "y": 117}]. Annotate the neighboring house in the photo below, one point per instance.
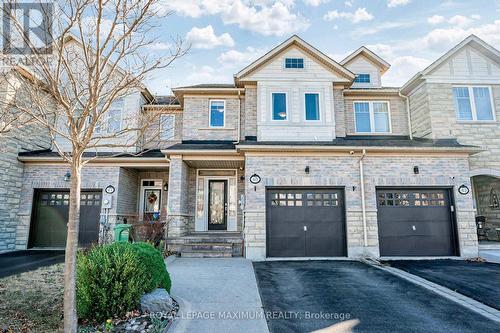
[
  {"x": 458, "y": 96},
  {"x": 301, "y": 157}
]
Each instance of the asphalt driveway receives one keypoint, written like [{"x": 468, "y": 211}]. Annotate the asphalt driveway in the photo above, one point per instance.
[
  {"x": 303, "y": 296},
  {"x": 478, "y": 280},
  {"x": 23, "y": 261}
]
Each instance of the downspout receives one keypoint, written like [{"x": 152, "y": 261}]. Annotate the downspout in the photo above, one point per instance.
[
  {"x": 363, "y": 205},
  {"x": 239, "y": 118},
  {"x": 408, "y": 114}
]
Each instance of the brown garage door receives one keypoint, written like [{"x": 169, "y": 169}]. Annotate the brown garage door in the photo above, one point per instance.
[
  {"x": 415, "y": 222},
  {"x": 305, "y": 222},
  {"x": 50, "y": 216}
]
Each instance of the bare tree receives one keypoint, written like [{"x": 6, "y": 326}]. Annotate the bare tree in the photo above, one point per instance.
[{"x": 98, "y": 57}]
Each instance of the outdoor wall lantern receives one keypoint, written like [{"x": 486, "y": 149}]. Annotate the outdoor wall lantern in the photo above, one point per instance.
[
  {"x": 67, "y": 176},
  {"x": 165, "y": 187},
  {"x": 416, "y": 170},
  {"x": 307, "y": 170}
]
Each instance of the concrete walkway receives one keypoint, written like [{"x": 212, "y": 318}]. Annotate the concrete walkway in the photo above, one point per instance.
[{"x": 216, "y": 295}]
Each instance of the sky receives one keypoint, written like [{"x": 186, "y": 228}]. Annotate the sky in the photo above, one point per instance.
[{"x": 226, "y": 35}]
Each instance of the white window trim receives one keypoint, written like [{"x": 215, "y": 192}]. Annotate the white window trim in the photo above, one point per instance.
[
  {"x": 141, "y": 194},
  {"x": 319, "y": 107},
  {"x": 108, "y": 115},
  {"x": 210, "y": 112},
  {"x": 472, "y": 102},
  {"x": 294, "y": 69},
  {"x": 369, "y": 77},
  {"x": 286, "y": 106},
  {"x": 173, "y": 126},
  {"x": 372, "y": 116}
]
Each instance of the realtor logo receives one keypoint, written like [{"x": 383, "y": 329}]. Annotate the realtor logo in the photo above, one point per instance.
[{"x": 27, "y": 28}]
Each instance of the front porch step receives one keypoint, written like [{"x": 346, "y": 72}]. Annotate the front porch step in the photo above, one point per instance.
[{"x": 207, "y": 250}]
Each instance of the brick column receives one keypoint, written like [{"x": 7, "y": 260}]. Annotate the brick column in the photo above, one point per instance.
[{"x": 178, "y": 197}]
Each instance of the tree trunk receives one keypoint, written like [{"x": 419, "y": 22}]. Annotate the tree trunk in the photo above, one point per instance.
[{"x": 70, "y": 316}]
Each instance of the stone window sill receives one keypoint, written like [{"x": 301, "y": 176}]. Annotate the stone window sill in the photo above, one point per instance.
[{"x": 217, "y": 129}]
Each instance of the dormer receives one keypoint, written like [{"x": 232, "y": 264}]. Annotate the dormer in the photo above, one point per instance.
[{"x": 367, "y": 66}]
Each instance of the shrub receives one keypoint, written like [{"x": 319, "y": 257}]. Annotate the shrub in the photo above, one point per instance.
[
  {"x": 158, "y": 276},
  {"x": 112, "y": 278}
]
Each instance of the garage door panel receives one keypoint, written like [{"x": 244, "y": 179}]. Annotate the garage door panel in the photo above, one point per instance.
[
  {"x": 50, "y": 218},
  {"x": 415, "y": 222},
  {"x": 305, "y": 222}
]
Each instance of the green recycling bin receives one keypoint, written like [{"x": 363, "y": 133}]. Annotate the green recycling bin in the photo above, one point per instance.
[{"x": 122, "y": 232}]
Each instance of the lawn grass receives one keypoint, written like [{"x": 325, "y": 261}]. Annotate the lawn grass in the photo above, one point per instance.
[{"x": 32, "y": 301}]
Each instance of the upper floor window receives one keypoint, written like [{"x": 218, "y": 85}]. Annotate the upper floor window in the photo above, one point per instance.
[
  {"x": 217, "y": 113},
  {"x": 294, "y": 63},
  {"x": 167, "y": 126},
  {"x": 372, "y": 117},
  {"x": 312, "y": 106},
  {"x": 113, "y": 118},
  {"x": 279, "y": 106},
  {"x": 362, "y": 78},
  {"x": 473, "y": 103}
]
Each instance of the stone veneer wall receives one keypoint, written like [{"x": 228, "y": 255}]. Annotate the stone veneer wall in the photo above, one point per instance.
[
  {"x": 178, "y": 205},
  {"x": 485, "y": 135},
  {"x": 343, "y": 171},
  {"x": 51, "y": 177},
  {"x": 28, "y": 138}
]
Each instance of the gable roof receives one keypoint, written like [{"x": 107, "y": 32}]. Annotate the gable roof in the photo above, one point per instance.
[
  {"x": 472, "y": 40},
  {"x": 363, "y": 50},
  {"x": 304, "y": 46}
]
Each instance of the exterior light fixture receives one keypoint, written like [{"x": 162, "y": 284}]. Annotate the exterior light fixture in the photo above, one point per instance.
[
  {"x": 165, "y": 187},
  {"x": 307, "y": 170},
  {"x": 67, "y": 176},
  {"x": 416, "y": 170}
]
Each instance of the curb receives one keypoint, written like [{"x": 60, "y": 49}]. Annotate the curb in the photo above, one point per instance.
[
  {"x": 469, "y": 303},
  {"x": 170, "y": 259}
]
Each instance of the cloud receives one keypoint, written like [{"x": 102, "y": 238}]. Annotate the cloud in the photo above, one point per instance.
[
  {"x": 233, "y": 58},
  {"x": 315, "y": 3},
  {"x": 397, "y": 3},
  {"x": 265, "y": 17},
  {"x": 360, "y": 15},
  {"x": 348, "y": 3},
  {"x": 460, "y": 20},
  {"x": 435, "y": 19},
  {"x": 205, "y": 38},
  {"x": 206, "y": 74},
  {"x": 457, "y": 20},
  {"x": 381, "y": 27},
  {"x": 159, "y": 46},
  {"x": 402, "y": 69}
]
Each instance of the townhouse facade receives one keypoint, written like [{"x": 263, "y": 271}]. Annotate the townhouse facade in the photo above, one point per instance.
[{"x": 301, "y": 156}]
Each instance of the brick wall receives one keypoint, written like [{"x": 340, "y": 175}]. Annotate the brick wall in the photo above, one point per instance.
[
  {"x": 250, "y": 111},
  {"x": 419, "y": 110},
  {"x": 196, "y": 120},
  {"x": 152, "y": 138},
  {"x": 52, "y": 177},
  {"x": 397, "y": 106},
  {"x": 344, "y": 172},
  {"x": 339, "y": 112}
]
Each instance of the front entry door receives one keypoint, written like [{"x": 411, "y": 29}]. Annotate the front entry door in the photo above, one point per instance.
[{"x": 217, "y": 205}]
